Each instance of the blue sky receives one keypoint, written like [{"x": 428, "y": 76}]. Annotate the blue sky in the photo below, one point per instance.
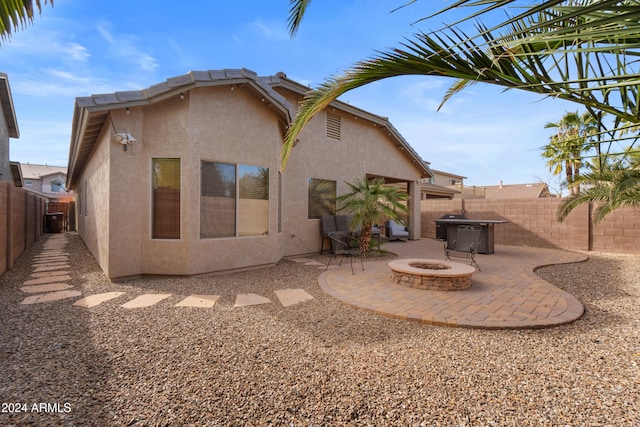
[{"x": 80, "y": 48}]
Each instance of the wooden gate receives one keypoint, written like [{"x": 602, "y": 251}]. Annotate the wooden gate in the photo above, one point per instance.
[{"x": 67, "y": 209}]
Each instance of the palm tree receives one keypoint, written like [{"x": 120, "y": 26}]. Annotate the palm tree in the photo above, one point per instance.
[
  {"x": 579, "y": 50},
  {"x": 372, "y": 202},
  {"x": 572, "y": 138},
  {"x": 15, "y": 14},
  {"x": 608, "y": 190}
]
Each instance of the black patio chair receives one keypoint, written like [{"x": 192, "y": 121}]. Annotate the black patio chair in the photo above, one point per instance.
[
  {"x": 465, "y": 245},
  {"x": 345, "y": 245}
]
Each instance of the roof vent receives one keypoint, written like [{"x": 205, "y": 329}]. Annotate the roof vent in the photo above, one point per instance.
[{"x": 333, "y": 126}]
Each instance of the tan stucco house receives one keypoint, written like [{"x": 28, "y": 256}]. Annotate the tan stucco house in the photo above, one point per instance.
[
  {"x": 47, "y": 180},
  {"x": 182, "y": 178}
]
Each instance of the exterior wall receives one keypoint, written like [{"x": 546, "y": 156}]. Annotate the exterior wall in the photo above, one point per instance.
[
  {"x": 33, "y": 184},
  {"x": 217, "y": 124},
  {"x": 212, "y": 124},
  {"x": 93, "y": 217},
  {"x": 47, "y": 180},
  {"x": 363, "y": 149},
  {"x": 445, "y": 180},
  {"x": 532, "y": 222},
  {"x": 5, "y": 168}
]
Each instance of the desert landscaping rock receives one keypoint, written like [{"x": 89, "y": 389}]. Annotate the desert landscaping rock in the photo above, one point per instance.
[{"x": 317, "y": 363}]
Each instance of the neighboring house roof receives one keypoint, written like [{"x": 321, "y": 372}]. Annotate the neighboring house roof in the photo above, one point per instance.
[
  {"x": 514, "y": 191},
  {"x": 452, "y": 175},
  {"x": 8, "y": 110},
  {"x": 438, "y": 190},
  {"x": 31, "y": 171},
  {"x": 90, "y": 113}
]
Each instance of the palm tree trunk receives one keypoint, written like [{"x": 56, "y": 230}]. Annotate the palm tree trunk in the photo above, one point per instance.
[{"x": 365, "y": 239}]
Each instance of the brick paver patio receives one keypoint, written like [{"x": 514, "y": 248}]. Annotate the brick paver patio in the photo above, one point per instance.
[{"x": 505, "y": 294}]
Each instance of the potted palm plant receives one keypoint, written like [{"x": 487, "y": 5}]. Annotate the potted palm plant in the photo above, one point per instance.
[{"x": 372, "y": 201}]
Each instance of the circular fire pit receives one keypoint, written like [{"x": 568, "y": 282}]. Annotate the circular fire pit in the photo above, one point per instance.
[{"x": 431, "y": 274}]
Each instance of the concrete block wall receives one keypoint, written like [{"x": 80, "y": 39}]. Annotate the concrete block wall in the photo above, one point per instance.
[
  {"x": 532, "y": 222},
  {"x": 21, "y": 222},
  {"x": 619, "y": 232}
]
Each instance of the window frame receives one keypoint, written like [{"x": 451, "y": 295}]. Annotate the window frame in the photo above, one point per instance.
[
  {"x": 238, "y": 210},
  {"x": 332, "y": 203},
  {"x": 152, "y": 216}
]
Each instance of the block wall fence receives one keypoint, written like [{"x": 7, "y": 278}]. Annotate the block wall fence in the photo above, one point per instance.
[
  {"x": 532, "y": 222},
  {"x": 21, "y": 222}
]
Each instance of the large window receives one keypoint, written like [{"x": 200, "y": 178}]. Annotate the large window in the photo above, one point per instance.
[
  {"x": 234, "y": 200},
  {"x": 166, "y": 199},
  {"x": 322, "y": 197}
]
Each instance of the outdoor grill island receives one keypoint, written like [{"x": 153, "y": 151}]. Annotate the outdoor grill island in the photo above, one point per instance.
[{"x": 486, "y": 233}]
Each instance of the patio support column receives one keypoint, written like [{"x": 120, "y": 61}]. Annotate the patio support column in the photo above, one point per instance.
[{"x": 414, "y": 210}]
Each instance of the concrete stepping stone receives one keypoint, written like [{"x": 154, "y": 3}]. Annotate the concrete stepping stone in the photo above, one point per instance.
[
  {"x": 243, "y": 300},
  {"x": 205, "y": 301},
  {"x": 290, "y": 297},
  {"x": 51, "y": 254},
  {"x": 48, "y": 279},
  {"x": 146, "y": 300},
  {"x": 52, "y": 296},
  {"x": 50, "y": 287},
  {"x": 51, "y": 259},
  {"x": 51, "y": 268},
  {"x": 49, "y": 264},
  {"x": 97, "y": 299},
  {"x": 50, "y": 273}
]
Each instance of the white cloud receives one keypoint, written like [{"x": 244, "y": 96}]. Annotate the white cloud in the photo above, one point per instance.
[
  {"x": 46, "y": 44},
  {"x": 123, "y": 47},
  {"x": 268, "y": 30},
  {"x": 60, "y": 83},
  {"x": 105, "y": 34}
]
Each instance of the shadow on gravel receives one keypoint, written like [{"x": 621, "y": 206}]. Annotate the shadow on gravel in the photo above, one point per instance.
[{"x": 50, "y": 373}]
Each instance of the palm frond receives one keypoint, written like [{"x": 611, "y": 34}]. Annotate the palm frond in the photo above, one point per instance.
[
  {"x": 297, "y": 9},
  {"x": 580, "y": 51},
  {"x": 16, "y": 14},
  {"x": 608, "y": 190}
]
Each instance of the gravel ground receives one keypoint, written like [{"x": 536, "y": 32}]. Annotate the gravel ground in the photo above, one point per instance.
[{"x": 316, "y": 363}]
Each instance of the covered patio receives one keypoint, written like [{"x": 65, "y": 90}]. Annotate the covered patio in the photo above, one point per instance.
[{"x": 505, "y": 294}]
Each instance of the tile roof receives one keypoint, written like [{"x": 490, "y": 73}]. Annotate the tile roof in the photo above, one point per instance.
[
  {"x": 91, "y": 112},
  {"x": 31, "y": 171}
]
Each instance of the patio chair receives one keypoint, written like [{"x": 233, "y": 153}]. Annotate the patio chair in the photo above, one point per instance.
[
  {"x": 345, "y": 245},
  {"x": 396, "y": 231},
  {"x": 465, "y": 245},
  {"x": 327, "y": 225},
  {"x": 343, "y": 223}
]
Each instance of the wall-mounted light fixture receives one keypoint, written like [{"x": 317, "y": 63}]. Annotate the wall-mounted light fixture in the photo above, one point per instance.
[{"x": 124, "y": 138}]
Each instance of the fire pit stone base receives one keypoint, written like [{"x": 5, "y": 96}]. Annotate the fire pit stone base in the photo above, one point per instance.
[{"x": 431, "y": 274}]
